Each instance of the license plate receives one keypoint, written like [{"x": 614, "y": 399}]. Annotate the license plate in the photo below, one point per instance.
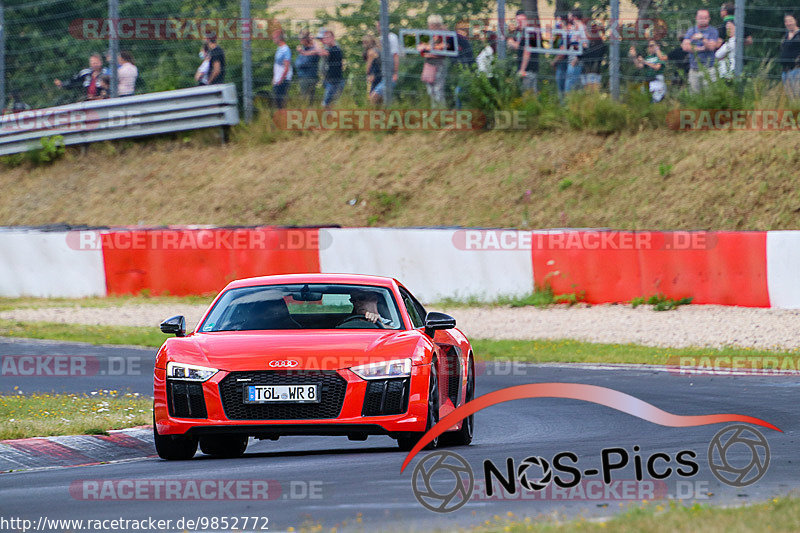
[{"x": 281, "y": 393}]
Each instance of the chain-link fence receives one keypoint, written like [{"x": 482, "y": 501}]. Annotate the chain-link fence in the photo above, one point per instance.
[{"x": 47, "y": 46}]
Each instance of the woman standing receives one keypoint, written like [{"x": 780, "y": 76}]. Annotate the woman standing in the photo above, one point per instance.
[
  {"x": 127, "y": 73},
  {"x": 790, "y": 57},
  {"x": 372, "y": 59},
  {"x": 434, "y": 71},
  {"x": 726, "y": 54}
]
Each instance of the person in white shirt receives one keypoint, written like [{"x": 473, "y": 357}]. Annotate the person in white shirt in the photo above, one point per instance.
[
  {"x": 485, "y": 59},
  {"x": 127, "y": 73},
  {"x": 281, "y": 70},
  {"x": 201, "y": 75},
  {"x": 394, "y": 52},
  {"x": 726, "y": 54}
]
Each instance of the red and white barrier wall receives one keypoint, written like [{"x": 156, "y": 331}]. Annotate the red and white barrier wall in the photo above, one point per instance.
[{"x": 753, "y": 269}]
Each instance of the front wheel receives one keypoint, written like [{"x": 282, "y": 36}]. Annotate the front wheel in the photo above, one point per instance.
[
  {"x": 174, "y": 447},
  {"x": 408, "y": 440},
  {"x": 463, "y": 436}
]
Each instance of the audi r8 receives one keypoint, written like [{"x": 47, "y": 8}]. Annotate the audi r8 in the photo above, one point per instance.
[{"x": 309, "y": 354}]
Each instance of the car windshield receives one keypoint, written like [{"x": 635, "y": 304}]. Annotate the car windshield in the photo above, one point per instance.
[{"x": 304, "y": 306}]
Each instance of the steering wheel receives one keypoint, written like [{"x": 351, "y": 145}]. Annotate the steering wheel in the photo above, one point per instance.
[{"x": 361, "y": 318}]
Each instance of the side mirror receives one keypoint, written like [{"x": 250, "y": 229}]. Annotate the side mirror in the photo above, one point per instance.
[
  {"x": 174, "y": 326},
  {"x": 435, "y": 321}
]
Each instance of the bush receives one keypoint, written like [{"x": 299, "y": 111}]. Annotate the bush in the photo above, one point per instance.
[{"x": 52, "y": 148}]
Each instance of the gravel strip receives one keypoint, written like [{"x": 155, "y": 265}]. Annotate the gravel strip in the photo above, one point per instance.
[{"x": 693, "y": 325}]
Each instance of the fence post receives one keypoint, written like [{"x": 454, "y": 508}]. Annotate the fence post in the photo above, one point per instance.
[
  {"x": 2, "y": 57},
  {"x": 501, "y": 29},
  {"x": 387, "y": 59},
  {"x": 113, "y": 45},
  {"x": 247, "y": 60},
  {"x": 738, "y": 21},
  {"x": 613, "y": 59}
]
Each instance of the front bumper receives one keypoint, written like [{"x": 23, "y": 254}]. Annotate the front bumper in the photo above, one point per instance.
[{"x": 352, "y": 419}]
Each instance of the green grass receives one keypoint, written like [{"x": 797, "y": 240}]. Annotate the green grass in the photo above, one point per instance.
[
  {"x": 42, "y": 415},
  {"x": 541, "y": 297},
  {"x": 531, "y": 351},
  {"x": 7, "y": 304},
  {"x": 134, "y": 336},
  {"x": 777, "y": 515},
  {"x": 569, "y": 351}
]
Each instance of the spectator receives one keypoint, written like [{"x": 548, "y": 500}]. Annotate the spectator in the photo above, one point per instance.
[
  {"x": 579, "y": 41},
  {"x": 560, "y": 61},
  {"x": 679, "y": 61},
  {"x": 485, "y": 59},
  {"x": 394, "y": 51},
  {"x": 653, "y": 68},
  {"x": 88, "y": 78},
  {"x": 700, "y": 42},
  {"x": 726, "y": 54},
  {"x": 334, "y": 69},
  {"x": 434, "y": 71},
  {"x": 593, "y": 58},
  {"x": 527, "y": 63},
  {"x": 281, "y": 70},
  {"x": 465, "y": 57},
  {"x": 726, "y": 13},
  {"x": 103, "y": 88},
  {"x": 216, "y": 60},
  {"x": 372, "y": 60},
  {"x": 201, "y": 75},
  {"x": 127, "y": 73},
  {"x": 307, "y": 67},
  {"x": 790, "y": 57}
]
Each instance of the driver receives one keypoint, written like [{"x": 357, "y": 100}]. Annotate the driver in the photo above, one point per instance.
[{"x": 365, "y": 303}]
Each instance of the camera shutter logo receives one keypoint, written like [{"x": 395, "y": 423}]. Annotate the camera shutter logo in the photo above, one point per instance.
[
  {"x": 531, "y": 483},
  {"x": 455, "y": 491},
  {"x": 731, "y": 441}
]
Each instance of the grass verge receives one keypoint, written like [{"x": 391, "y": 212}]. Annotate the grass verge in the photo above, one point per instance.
[
  {"x": 777, "y": 514},
  {"x": 529, "y": 351},
  {"x": 569, "y": 351},
  {"x": 8, "y": 304},
  {"x": 43, "y": 415},
  {"x": 134, "y": 336}
]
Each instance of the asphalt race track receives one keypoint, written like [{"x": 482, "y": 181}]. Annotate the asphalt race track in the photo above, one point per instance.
[{"x": 346, "y": 478}]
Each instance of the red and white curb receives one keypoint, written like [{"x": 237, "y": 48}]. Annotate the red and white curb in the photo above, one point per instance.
[{"x": 76, "y": 450}]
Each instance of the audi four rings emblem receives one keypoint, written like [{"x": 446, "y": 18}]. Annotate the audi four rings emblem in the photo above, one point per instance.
[{"x": 284, "y": 363}]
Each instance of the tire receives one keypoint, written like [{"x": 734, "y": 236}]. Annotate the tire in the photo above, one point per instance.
[
  {"x": 174, "y": 447},
  {"x": 463, "y": 437},
  {"x": 225, "y": 446},
  {"x": 407, "y": 441}
]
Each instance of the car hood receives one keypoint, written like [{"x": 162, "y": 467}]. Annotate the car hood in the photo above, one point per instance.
[{"x": 275, "y": 350}]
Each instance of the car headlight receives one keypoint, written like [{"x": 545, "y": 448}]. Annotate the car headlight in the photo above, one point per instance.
[
  {"x": 398, "y": 368},
  {"x": 189, "y": 372}
]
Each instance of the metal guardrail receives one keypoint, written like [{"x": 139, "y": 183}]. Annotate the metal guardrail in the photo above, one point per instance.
[{"x": 119, "y": 118}]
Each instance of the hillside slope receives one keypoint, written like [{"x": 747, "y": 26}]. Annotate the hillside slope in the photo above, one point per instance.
[{"x": 654, "y": 179}]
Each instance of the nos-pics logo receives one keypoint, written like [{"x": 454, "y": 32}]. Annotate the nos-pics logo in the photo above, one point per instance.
[{"x": 443, "y": 481}]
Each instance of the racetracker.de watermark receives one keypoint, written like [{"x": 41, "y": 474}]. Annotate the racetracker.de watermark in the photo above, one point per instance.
[
  {"x": 734, "y": 119},
  {"x": 380, "y": 119},
  {"x": 73, "y": 366},
  {"x": 735, "y": 365},
  {"x": 59, "y": 120},
  {"x": 162, "y": 489},
  {"x": 199, "y": 239},
  {"x": 513, "y": 240}
]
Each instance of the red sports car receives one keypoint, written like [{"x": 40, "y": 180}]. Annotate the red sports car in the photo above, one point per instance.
[{"x": 309, "y": 354}]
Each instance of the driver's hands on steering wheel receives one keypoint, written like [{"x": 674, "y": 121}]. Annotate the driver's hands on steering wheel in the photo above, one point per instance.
[{"x": 372, "y": 317}]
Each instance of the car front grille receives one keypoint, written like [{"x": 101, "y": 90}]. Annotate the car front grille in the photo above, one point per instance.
[
  {"x": 386, "y": 397},
  {"x": 331, "y": 386},
  {"x": 186, "y": 400}
]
